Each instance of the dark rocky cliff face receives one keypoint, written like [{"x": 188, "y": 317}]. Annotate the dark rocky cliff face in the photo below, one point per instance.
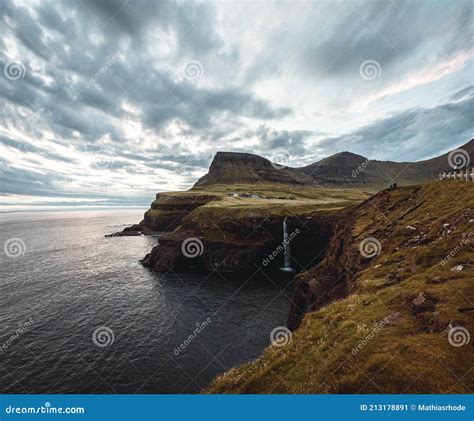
[
  {"x": 167, "y": 211},
  {"x": 332, "y": 278},
  {"x": 241, "y": 246}
]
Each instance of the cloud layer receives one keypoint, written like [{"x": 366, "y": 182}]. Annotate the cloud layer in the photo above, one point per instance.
[{"x": 106, "y": 102}]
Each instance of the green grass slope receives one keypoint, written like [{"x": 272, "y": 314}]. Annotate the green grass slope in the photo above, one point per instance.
[{"x": 405, "y": 324}]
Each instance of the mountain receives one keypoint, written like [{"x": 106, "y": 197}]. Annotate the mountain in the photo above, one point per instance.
[
  {"x": 246, "y": 168},
  {"x": 342, "y": 169}
]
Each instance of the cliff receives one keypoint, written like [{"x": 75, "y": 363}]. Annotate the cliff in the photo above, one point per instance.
[
  {"x": 167, "y": 212},
  {"x": 237, "y": 233},
  {"x": 239, "y": 244},
  {"x": 389, "y": 308}
]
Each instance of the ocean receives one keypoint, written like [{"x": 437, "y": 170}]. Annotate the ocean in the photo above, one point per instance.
[{"x": 80, "y": 314}]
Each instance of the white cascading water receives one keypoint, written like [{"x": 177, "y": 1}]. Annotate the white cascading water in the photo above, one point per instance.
[{"x": 286, "y": 250}]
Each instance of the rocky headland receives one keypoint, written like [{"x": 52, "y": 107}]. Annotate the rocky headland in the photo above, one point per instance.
[{"x": 368, "y": 242}]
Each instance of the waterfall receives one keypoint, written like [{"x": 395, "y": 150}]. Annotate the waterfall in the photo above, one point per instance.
[{"x": 286, "y": 250}]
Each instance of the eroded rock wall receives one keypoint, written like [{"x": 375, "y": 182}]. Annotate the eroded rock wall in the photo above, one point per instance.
[{"x": 243, "y": 244}]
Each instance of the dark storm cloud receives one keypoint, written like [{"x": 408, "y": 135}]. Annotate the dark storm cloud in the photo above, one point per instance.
[
  {"x": 388, "y": 32},
  {"x": 68, "y": 103},
  {"x": 198, "y": 106},
  {"x": 15, "y": 180},
  {"x": 464, "y": 93},
  {"x": 271, "y": 140},
  {"x": 400, "y": 35},
  {"x": 192, "y": 22},
  {"x": 25, "y": 147},
  {"x": 411, "y": 135}
]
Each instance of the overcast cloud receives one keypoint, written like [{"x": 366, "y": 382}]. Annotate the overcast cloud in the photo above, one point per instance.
[{"x": 108, "y": 102}]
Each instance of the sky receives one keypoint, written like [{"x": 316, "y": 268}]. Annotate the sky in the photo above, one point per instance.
[{"x": 106, "y": 102}]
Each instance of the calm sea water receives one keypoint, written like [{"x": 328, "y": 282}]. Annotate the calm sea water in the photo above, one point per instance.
[{"x": 70, "y": 281}]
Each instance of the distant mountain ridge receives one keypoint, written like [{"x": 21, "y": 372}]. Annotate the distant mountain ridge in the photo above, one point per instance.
[{"x": 344, "y": 168}]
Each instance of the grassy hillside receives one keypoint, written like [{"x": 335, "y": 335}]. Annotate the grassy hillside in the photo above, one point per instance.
[
  {"x": 275, "y": 199},
  {"x": 394, "y": 331},
  {"x": 271, "y": 199}
]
